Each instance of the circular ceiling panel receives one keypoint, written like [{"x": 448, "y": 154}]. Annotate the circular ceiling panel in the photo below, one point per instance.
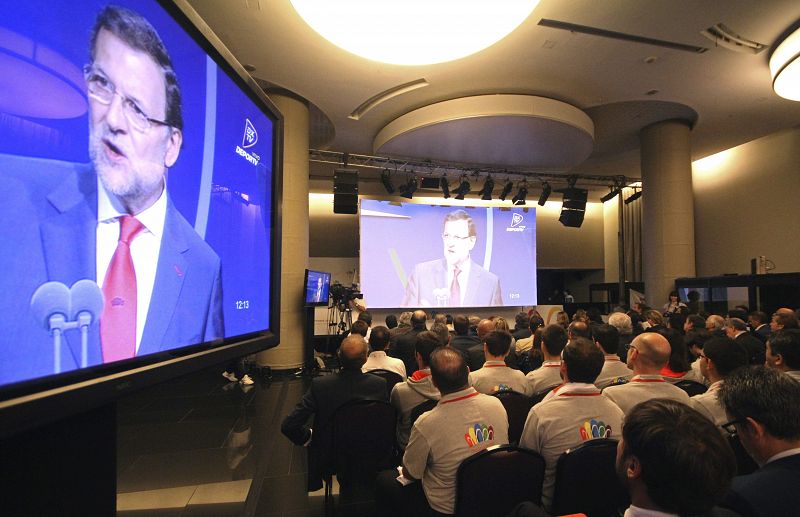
[{"x": 500, "y": 130}]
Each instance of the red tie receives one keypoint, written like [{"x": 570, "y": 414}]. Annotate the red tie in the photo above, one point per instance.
[
  {"x": 455, "y": 289},
  {"x": 118, "y": 323}
]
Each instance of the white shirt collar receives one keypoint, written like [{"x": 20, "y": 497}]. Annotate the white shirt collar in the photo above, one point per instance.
[
  {"x": 109, "y": 209},
  {"x": 784, "y": 454},
  {"x": 635, "y": 511}
]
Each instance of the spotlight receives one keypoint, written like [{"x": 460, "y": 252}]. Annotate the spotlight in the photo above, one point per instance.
[
  {"x": 407, "y": 190},
  {"x": 445, "y": 187},
  {"x": 546, "y": 189},
  {"x": 386, "y": 179},
  {"x": 522, "y": 193},
  {"x": 506, "y": 191},
  {"x": 488, "y": 187},
  {"x": 463, "y": 188},
  {"x": 633, "y": 197},
  {"x": 611, "y": 195}
]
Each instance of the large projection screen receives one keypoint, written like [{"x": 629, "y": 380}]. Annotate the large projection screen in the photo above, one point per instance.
[{"x": 408, "y": 254}]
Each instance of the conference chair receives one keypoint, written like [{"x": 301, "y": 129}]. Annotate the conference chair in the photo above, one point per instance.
[
  {"x": 390, "y": 377},
  {"x": 492, "y": 482},
  {"x": 691, "y": 387},
  {"x": 540, "y": 395},
  {"x": 586, "y": 481},
  {"x": 363, "y": 443},
  {"x": 422, "y": 408},
  {"x": 517, "y": 408}
]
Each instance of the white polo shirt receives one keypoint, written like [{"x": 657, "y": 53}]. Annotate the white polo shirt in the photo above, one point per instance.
[
  {"x": 613, "y": 369},
  {"x": 463, "y": 423},
  {"x": 547, "y": 375},
  {"x": 710, "y": 407},
  {"x": 644, "y": 387},
  {"x": 378, "y": 360},
  {"x": 496, "y": 376}
]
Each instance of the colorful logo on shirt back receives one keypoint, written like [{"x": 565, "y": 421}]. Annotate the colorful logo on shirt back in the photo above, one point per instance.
[
  {"x": 478, "y": 433},
  {"x": 498, "y": 388},
  {"x": 594, "y": 429}
]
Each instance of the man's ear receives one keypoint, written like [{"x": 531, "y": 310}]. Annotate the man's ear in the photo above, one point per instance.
[
  {"x": 633, "y": 468},
  {"x": 778, "y": 359},
  {"x": 173, "y": 147},
  {"x": 755, "y": 428}
]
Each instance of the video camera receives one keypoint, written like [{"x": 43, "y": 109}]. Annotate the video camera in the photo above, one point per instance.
[{"x": 342, "y": 295}]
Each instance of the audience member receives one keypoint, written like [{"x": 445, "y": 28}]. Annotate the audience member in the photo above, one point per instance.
[
  {"x": 473, "y": 324},
  {"x": 736, "y": 329},
  {"x": 391, "y": 321},
  {"x": 416, "y": 389},
  {"x": 554, "y": 338},
  {"x": 720, "y": 357},
  {"x": 783, "y": 320},
  {"x": 501, "y": 324},
  {"x": 522, "y": 329},
  {"x": 403, "y": 348},
  {"x": 693, "y": 324},
  {"x": 764, "y": 407},
  {"x": 562, "y": 318},
  {"x": 715, "y": 325},
  {"x": 671, "y": 461},
  {"x": 403, "y": 326},
  {"x": 673, "y": 306},
  {"x": 654, "y": 320},
  {"x": 524, "y": 344},
  {"x": 695, "y": 345},
  {"x": 360, "y": 328},
  {"x": 378, "y": 360},
  {"x": 578, "y": 328},
  {"x": 475, "y": 355},
  {"x": 622, "y": 322},
  {"x": 463, "y": 340},
  {"x": 783, "y": 352},
  {"x": 647, "y": 355},
  {"x": 463, "y": 423},
  {"x": 677, "y": 367},
  {"x": 366, "y": 317},
  {"x": 759, "y": 325},
  {"x": 614, "y": 370},
  {"x": 325, "y": 395},
  {"x": 441, "y": 330},
  {"x": 693, "y": 302},
  {"x": 560, "y": 422},
  {"x": 495, "y": 375}
]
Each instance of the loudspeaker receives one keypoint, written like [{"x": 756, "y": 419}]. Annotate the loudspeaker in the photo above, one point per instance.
[
  {"x": 345, "y": 191},
  {"x": 573, "y": 208}
]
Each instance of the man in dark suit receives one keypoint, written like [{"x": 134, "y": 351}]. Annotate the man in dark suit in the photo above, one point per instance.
[
  {"x": 403, "y": 348},
  {"x": 736, "y": 329},
  {"x": 764, "y": 407},
  {"x": 323, "y": 398},
  {"x": 463, "y": 340},
  {"x": 759, "y": 325},
  {"x": 112, "y": 221},
  {"x": 456, "y": 280}
]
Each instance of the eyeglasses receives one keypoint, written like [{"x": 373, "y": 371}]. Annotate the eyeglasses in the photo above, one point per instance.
[
  {"x": 701, "y": 355},
  {"x": 730, "y": 426},
  {"x": 449, "y": 237},
  {"x": 631, "y": 347},
  {"x": 103, "y": 90}
]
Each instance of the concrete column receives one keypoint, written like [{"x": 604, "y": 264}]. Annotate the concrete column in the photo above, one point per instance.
[
  {"x": 294, "y": 227},
  {"x": 668, "y": 250}
]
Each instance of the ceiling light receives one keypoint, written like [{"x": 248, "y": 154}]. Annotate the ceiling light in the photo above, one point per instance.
[
  {"x": 633, "y": 197},
  {"x": 546, "y": 189},
  {"x": 463, "y": 188},
  {"x": 611, "y": 195},
  {"x": 522, "y": 193},
  {"x": 784, "y": 65},
  {"x": 413, "y": 32},
  {"x": 506, "y": 190},
  {"x": 488, "y": 187},
  {"x": 386, "y": 179},
  {"x": 445, "y": 187},
  {"x": 407, "y": 190}
]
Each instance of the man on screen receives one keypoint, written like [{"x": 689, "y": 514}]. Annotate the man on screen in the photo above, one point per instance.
[
  {"x": 112, "y": 221},
  {"x": 456, "y": 280},
  {"x": 318, "y": 291}
]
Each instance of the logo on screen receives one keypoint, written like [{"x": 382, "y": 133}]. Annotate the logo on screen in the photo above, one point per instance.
[
  {"x": 250, "y": 135},
  {"x": 516, "y": 226}
]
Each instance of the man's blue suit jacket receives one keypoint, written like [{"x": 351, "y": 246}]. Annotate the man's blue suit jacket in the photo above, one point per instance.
[
  {"x": 483, "y": 287},
  {"x": 52, "y": 208}
]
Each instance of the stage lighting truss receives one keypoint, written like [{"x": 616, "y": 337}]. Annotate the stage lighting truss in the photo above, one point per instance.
[
  {"x": 633, "y": 197},
  {"x": 407, "y": 190},
  {"x": 546, "y": 190},
  {"x": 522, "y": 193},
  {"x": 445, "y": 186},
  {"x": 488, "y": 187},
  {"x": 463, "y": 188},
  {"x": 507, "y": 188},
  {"x": 386, "y": 179}
]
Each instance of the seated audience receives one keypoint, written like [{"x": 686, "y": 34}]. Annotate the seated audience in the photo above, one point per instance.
[
  {"x": 441, "y": 330},
  {"x": 736, "y": 329},
  {"x": 562, "y": 318},
  {"x": 554, "y": 338},
  {"x": 719, "y": 358},
  {"x": 759, "y": 325},
  {"x": 622, "y": 322},
  {"x": 578, "y": 328},
  {"x": 495, "y": 375},
  {"x": 553, "y": 424},
  {"x": 463, "y": 423},
  {"x": 474, "y": 356},
  {"x": 672, "y": 461},
  {"x": 764, "y": 410},
  {"x": 366, "y": 317},
  {"x": 403, "y": 348},
  {"x": 359, "y": 328},
  {"x": 403, "y": 326},
  {"x": 378, "y": 360},
  {"x": 322, "y": 399},
  {"x": 693, "y": 324},
  {"x": 524, "y": 344},
  {"x": 783, "y": 352},
  {"x": 522, "y": 327},
  {"x": 695, "y": 345},
  {"x": 463, "y": 340},
  {"x": 391, "y": 321},
  {"x": 501, "y": 324},
  {"x": 647, "y": 355},
  {"x": 654, "y": 320},
  {"x": 614, "y": 370},
  {"x": 715, "y": 325},
  {"x": 783, "y": 320},
  {"x": 416, "y": 389},
  {"x": 677, "y": 368}
]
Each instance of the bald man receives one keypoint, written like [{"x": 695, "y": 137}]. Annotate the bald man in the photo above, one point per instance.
[
  {"x": 648, "y": 353},
  {"x": 323, "y": 398},
  {"x": 475, "y": 356}
]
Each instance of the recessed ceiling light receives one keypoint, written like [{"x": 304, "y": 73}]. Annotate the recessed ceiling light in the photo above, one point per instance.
[
  {"x": 651, "y": 92},
  {"x": 414, "y": 32}
]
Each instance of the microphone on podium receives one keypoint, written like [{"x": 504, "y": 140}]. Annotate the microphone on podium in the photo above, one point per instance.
[
  {"x": 86, "y": 306},
  {"x": 50, "y": 305}
]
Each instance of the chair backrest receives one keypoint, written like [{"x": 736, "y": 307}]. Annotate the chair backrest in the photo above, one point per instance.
[
  {"x": 744, "y": 463},
  {"x": 389, "y": 376},
  {"x": 691, "y": 387},
  {"x": 492, "y": 482},
  {"x": 363, "y": 438},
  {"x": 517, "y": 408},
  {"x": 422, "y": 408},
  {"x": 539, "y": 395},
  {"x": 586, "y": 481}
]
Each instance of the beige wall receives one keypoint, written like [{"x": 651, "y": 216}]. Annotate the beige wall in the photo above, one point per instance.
[{"x": 747, "y": 203}]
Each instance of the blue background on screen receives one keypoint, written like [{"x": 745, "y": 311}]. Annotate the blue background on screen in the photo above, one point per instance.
[
  {"x": 52, "y": 39},
  {"x": 414, "y": 234},
  {"x": 311, "y": 286}
]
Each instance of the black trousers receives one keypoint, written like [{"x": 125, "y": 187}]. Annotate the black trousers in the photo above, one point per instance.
[{"x": 393, "y": 499}]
